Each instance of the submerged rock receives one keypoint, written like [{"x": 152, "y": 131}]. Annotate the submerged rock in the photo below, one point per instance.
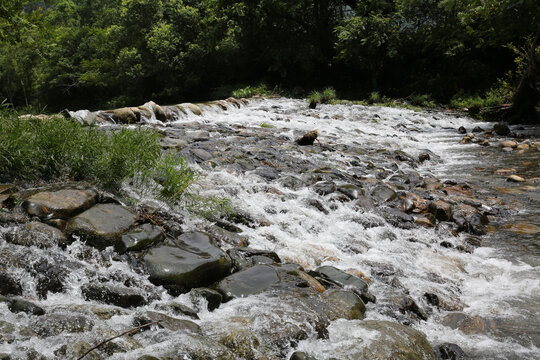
[
  {"x": 38, "y": 234},
  {"x": 114, "y": 295},
  {"x": 387, "y": 340},
  {"x": 501, "y": 129},
  {"x": 56, "y": 324},
  {"x": 448, "y": 351},
  {"x": 345, "y": 303},
  {"x": 61, "y": 204},
  {"x": 8, "y": 285},
  {"x": 191, "y": 260},
  {"x": 102, "y": 225}
]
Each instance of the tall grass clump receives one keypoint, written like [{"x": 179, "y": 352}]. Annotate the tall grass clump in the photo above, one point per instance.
[
  {"x": 327, "y": 96},
  {"x": 259, "y": 90},
  {"x": 55, "y": 149}
]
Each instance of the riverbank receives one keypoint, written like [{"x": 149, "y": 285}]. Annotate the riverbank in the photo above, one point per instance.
[{"x": 355, "y": 245}]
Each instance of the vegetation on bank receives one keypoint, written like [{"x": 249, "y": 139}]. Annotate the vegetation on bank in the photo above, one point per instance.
[
  {"x": 113, "y": 53},
  {"x": 55, "y": 148}
]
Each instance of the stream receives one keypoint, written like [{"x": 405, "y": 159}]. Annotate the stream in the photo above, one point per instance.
[{"x": 340, "y": 203}]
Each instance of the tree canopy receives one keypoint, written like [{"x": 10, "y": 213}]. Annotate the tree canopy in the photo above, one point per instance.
[{"x": 92, "y": 53}]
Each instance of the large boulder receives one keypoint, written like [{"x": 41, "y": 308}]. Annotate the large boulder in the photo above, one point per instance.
[
  {"x": 191, "y": 260},
  {"x": 345, "y": 303},
  {"x": 8, "y": 285},
  {"x": 102, "y": 225},
  {"x": 61, "y": 204}
]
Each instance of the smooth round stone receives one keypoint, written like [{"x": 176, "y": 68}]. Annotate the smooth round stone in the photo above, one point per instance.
[
  {"x": 253, "y": 280},
  {"x": 61, "y": 204},
  {"x": 192, "y": 260},
  {"x": 102, "y": 225}
]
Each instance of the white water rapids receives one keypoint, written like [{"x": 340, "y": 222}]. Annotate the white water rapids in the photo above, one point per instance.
[{"x": 489, "y": 282}]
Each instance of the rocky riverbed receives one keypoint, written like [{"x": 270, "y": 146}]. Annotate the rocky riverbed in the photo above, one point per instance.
[{"x": 356, "y": 233}]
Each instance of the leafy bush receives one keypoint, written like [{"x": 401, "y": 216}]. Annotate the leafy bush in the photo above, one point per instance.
[
  {"x": 58, "y": 149},
  {"x": 374, "y": 98}
]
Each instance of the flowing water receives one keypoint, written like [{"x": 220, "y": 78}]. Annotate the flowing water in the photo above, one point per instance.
[{"x": 497, "y": 284}]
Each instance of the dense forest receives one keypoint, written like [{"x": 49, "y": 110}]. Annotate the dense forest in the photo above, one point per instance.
[{"x": 106, "y": 53}]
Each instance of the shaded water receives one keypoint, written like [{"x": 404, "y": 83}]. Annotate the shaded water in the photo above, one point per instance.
[{"x": 498, "y": 282}]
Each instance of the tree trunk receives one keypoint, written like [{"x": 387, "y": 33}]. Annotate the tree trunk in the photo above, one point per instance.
[{"x": 527, "y": 93}]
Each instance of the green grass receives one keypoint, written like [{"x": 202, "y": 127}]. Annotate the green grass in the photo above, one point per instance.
[
  {"x": 58, "y": 149},
  {"x": 327, "y": 96},
  {"x": 259, "y": 90},
  {"x": 498, "y": 95}
]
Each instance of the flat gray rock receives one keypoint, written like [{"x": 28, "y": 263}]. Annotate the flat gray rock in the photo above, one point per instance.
[{"x": 102, "y": 225}]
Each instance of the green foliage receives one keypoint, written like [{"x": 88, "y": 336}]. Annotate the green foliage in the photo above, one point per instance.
[
  {"x": 498, "y": 95},
  {"x": 423, "y": 100},
  {"x": 58, "y": 149},
  {"x": 259, "y": 90},
  {"x": 266, "y": 125},
  {"x": 327, "y": 96},
  {"x": 90, "y": 54}
]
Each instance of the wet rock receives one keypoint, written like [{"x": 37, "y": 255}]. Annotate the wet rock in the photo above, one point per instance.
[
  {"x": 267, "y": 172},
  {"x": 509, "y": 143},
  {"x": 448, "y": 351},
  {"x": 383, "y": 193},
  {"x": 19, "y": 305},
  {"x": 292, "y": 182},
  {"x": 314, "y": 203},
  {"x": 469, "y": 219},
  {"x": 432, "y": 299},
  {"x": 50, "y": 277},
  {"x": 424, "y": 221},
  {"x": 341, "y": 278},
  {"x": 308, "y": 138},
  {"x": 501, "y": 129},
  {"x": 441, "y": 210},
  {"x": 300, "y": 355},
  {"x": 56, "y": 324},
  {"x": 462, "y": 130},
  {"x": 466, "y": 323},
  {"x": 477, "y": 129},
  {"x": 424, "y": 156},
  {"x": 345, "y": 302},
  {"x": 102, "y": 225},
  {"x": 125, "y": 115},
  {"x": 167, "y": 322},
  {"x": 407, "y": 304},
  {"x": 140, "y": 238},
  {"x": 8, "y": 285},
  {"x": 507, "y": 149},
  {"x": 246, "y": 345},
  {"x": 523, "y": 146},
  {"x": 515, "y": 178},
  {"x": 388, "y": 340},
  {"x": 324, "y": 187},
  {"x": 113, "y": 295},
  {"x": 179, "y": 309},
  {"x": 353, "y": 192},
  {"x": 37, "y": 234},
  {"x": 191, "y": 260},
  {"x": 396, "y": 217},
  {"x": 213, "y": 297},
  {"x": 253, "y": 280},
  {"x": 227, "y": 237},
  {"x": 61, "y": 204}
]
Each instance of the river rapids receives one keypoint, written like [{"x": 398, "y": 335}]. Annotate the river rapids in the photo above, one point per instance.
[{"x": 477, "y": 289}]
